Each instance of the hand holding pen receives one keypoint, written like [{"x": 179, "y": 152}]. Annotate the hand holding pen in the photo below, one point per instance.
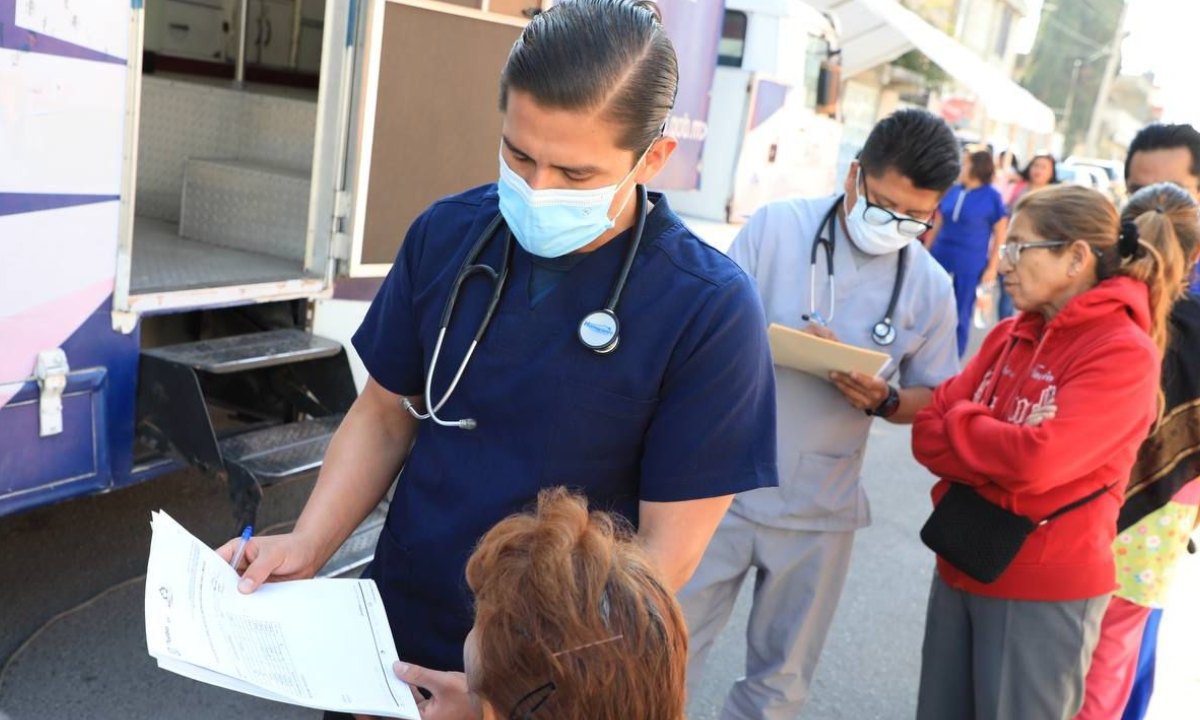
[{"x": 271, "y": 558}]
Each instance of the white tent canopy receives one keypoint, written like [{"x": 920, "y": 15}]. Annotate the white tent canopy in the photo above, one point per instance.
[{"x": 875, "y": 32}]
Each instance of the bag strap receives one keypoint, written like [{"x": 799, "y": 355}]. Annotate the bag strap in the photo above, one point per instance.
[{"x": 1078, "y": 503}]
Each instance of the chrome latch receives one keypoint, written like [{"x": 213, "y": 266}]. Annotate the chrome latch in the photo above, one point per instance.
[{"x": 51, "y": 376}]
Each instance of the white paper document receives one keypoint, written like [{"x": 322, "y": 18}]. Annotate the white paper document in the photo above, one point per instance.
[
  {"x": 323, "y": 644},
  {"x": 810, "y": 354}
]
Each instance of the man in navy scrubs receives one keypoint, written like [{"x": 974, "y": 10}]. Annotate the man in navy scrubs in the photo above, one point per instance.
[{"x": 663, "y": 430}]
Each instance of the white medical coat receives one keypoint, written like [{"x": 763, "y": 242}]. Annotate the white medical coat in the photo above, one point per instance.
[{"x": 822, "y": 437}]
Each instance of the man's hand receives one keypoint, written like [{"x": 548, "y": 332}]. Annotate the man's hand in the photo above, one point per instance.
[
  {"x": 271, "y": 558},
  {"x": 820, "y": 331},
  {"x": 450, "y": 699},
  {"x": 862, "y": 391}
]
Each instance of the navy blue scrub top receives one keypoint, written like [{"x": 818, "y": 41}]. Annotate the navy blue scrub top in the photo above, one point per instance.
[{"x": 683, "y": 409}]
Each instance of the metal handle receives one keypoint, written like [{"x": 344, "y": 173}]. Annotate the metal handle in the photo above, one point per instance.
[
  {"x": 269, "y": 32},
  {"x": 180, "y": 26},
  {"x": 239, "y": 73}
]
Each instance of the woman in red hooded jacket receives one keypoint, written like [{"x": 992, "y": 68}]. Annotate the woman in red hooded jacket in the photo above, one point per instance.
[{"x": 1042, "y": 427}]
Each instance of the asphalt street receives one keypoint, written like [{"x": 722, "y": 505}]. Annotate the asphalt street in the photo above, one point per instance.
[
  {"x": 72, "y": 638},
  {"x": 93, "y": 662}
]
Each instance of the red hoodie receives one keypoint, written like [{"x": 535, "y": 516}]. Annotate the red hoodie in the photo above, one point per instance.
[{"x": 1095, "y": 362}]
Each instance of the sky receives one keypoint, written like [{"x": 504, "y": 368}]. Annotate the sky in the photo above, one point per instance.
[{"x": 1162, "y": 39}]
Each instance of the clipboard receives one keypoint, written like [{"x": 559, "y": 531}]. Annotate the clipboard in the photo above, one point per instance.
[{"x": 798, "y": 350}]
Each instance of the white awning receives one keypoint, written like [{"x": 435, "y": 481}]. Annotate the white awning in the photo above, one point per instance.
[{"x": 875, "y": 32}]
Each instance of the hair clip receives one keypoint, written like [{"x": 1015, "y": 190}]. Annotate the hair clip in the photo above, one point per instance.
[
  {"x": 1127, "y": 242},
  {"x": 532, "y": 701},
  {"x": 585, "y": 646}
]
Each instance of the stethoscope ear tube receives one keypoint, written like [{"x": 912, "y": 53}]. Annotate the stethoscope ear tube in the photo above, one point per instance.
[
  {"x": 469, "y": 267},
  {"x": 884, "y": 331},
  {"x": 600, "y": 331}
]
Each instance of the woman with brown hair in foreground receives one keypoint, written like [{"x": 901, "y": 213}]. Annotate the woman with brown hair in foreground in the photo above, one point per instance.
[{"x": 571, "y": 622}]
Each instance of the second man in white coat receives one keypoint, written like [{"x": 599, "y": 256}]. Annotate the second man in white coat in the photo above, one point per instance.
[{"x": 846, "y": 267}]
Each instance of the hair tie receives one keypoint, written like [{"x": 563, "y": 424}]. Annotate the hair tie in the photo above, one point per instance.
[
  {"x": 1160, "y": 210},
  {"x": 1127, "y": 241}
]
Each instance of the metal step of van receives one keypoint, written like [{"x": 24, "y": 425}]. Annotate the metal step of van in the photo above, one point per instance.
[
  {"x": 248, "y": 352},
  {"x": 248, "y": 410},
  {"x": 245, "y": 206},
  {"x": 359, "y": 548},
  {"x": 277, "y": 453}
]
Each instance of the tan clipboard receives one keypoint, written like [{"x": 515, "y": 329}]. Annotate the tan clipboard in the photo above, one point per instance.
[{"x": 810, "y": 354}]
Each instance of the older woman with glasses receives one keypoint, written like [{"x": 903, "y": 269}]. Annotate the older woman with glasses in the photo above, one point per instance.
[
  {"x": 572, "y": 622},
  {"x": 1034, "y": 442}
]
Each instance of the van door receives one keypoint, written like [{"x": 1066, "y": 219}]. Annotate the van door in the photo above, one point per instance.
[{"x": 428, "y": 114}]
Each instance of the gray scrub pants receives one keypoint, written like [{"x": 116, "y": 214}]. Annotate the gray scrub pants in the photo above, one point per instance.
[
  {"x": 992, "y": 659},
  {"x": 797, "y": 585}
]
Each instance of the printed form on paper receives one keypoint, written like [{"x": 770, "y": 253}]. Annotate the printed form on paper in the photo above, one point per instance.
[{"x": 322, "y": 643}]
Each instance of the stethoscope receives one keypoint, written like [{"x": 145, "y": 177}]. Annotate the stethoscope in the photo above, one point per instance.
[
  {"x": 599, "y": 331},
  {"x": 884, "y": 331}
]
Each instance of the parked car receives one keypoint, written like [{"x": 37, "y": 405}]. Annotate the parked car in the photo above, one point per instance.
[
  {"x": 1113, "y": 170},
  {"x": 1087, "y": 176}
]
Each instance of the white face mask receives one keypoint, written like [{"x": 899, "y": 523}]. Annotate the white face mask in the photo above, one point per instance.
[{"x": 880, "y": 237}]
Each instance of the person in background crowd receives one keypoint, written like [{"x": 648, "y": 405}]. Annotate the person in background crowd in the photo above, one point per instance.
[
  {"x": 572, "y": 622},
  {"x": 833, "y": 264},
  {"x": 1040, "y": 173},
  {"x": 1166, "y": 153},
  {"x": 1161, "y": 153},
  {"x": 967, "y": 237},
  {"x": 1008, "y": 176},
  {"x": 1160, "y": 510},
  {"x": 1043, "y": 424}
]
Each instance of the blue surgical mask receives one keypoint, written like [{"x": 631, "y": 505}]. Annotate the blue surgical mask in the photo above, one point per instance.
[{"x": 557, "y": 221}]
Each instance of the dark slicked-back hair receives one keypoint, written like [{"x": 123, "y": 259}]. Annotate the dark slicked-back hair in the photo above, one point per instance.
[
  {"x": 1164, "y": 136},
  {"x": 916, "y": 144},
  {"x": 611, "y": 56}
]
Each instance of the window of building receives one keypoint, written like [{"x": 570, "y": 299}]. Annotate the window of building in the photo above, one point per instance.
[{"x": 732, "y": 47}]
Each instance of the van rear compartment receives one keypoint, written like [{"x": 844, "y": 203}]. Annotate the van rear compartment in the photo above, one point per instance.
[
  {"x": 165, "y": 262},
  {"x": 223, "y": 185}
]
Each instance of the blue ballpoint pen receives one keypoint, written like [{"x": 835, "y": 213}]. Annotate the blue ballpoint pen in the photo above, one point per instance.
[
  {"x": 241, "y": 548},
  {"x": 815, "y": 318}
]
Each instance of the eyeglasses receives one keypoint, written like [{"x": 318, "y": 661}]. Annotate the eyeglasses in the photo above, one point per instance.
[
  {"x": 879, "y": 215},
  {"x": 1011, "y": 252}
]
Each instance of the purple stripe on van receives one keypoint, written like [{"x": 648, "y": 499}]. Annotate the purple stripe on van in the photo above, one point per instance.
[
  {"x": 17, "y": 203},
  {"x": 18, "y": 38}
]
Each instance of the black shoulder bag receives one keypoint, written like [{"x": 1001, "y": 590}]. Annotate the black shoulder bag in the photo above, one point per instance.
[{"x": 979, "y": 537}]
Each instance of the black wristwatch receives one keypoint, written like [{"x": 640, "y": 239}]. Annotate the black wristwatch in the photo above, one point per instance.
[{"x": 889, "y": 406}]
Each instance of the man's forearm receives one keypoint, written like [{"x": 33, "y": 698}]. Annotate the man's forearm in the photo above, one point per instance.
[
  {"x": 676, "y": 534},
  {"x": 365, "y": 455},
  {"x": 912, "y": 401}
]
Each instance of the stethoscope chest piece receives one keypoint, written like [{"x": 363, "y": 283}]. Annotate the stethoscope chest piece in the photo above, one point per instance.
[
  {"x": 600, "y": 331},
  {"x": 884, "y": 333}
]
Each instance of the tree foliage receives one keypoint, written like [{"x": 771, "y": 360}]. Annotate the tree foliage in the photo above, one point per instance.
[{"x": 1070, "y": 30}]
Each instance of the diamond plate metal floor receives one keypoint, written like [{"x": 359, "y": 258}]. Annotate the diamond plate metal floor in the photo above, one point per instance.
[{"x": 163, "y": 261}]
